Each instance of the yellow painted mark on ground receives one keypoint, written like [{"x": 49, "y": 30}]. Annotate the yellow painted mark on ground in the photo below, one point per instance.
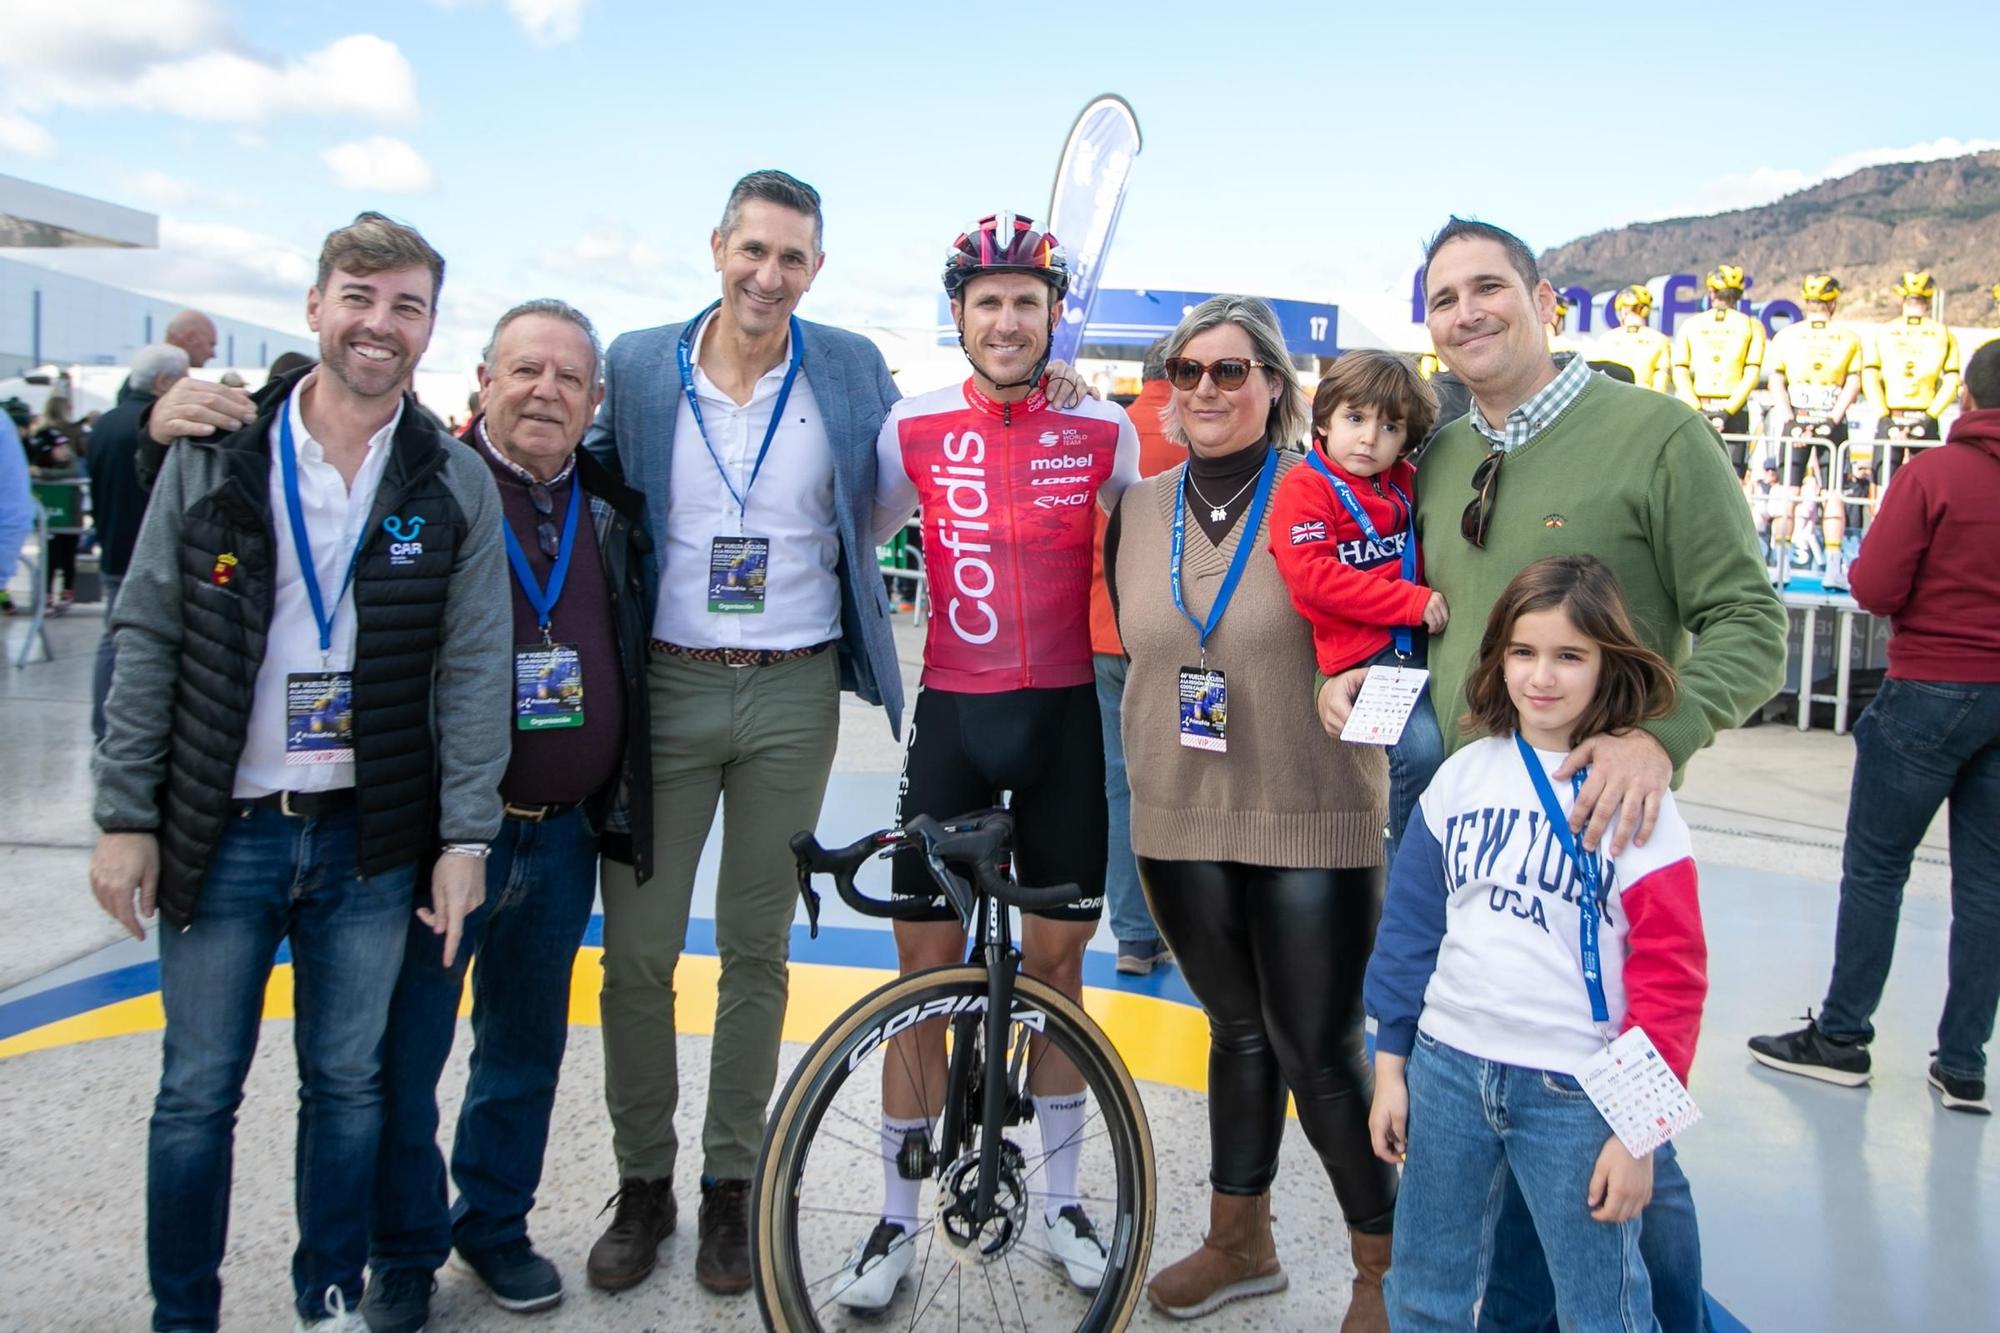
[{"x": 1161, "y": 1041}]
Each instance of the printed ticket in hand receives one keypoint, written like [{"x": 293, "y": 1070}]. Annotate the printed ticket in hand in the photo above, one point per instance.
[
  {"x": 1384, "y": 705},
  {"x": 1638, "y": 1093}
]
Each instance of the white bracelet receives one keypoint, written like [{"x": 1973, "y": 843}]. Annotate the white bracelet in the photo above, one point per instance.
[{"x": 478, "y": 851}]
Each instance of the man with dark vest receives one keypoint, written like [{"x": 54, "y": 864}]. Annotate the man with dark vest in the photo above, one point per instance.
[
  {"x": 577, "y": 544},
  {"x": 310, "y": 702}
]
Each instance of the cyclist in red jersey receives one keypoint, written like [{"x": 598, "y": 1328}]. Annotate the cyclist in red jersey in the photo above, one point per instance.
[{"x": 1008, "y": 705}]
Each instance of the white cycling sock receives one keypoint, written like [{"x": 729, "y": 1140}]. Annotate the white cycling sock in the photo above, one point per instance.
[
  {"x": 1062, "y": 1145},
  {"x": 899, "y": 1196}
]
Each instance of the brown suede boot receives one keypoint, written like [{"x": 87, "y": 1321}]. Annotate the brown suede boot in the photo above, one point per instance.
[
  {"x": 1365, "y": 1311},
  {"x": 1237, "y": 1258}
]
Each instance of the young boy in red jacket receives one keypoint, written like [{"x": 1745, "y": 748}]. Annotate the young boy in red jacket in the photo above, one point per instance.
[{"x": 1343, "y": 535}]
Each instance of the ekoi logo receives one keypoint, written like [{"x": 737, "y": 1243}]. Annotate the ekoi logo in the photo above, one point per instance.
[{"x": 404, "y": 548}]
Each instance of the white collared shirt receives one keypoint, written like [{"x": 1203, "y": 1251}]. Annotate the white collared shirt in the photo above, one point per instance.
[
  {"x": 334, "y": 517},
  {"x": 791, "y": 505}
]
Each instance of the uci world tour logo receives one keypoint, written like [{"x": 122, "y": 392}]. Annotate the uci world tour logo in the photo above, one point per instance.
[{"x": 404, "y": 548}]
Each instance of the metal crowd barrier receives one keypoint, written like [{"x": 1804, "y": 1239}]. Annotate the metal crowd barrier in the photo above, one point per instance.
[{"x": 910, "y": 568}]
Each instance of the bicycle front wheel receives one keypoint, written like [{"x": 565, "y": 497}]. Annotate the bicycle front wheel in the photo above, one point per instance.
[{"x": 820, "y": 1179}]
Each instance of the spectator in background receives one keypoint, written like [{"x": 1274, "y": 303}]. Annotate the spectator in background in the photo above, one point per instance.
[
  {"x": 194, "y": 333},
  {"x": 284, "y": 364},
  {"x": 1139, "y": 944},
  {"x": 1931, "y": 736},
  {"x": 17, "y": 505},
  {"x": 117, "y": 500},
  {"x": 55, "y": 453}
]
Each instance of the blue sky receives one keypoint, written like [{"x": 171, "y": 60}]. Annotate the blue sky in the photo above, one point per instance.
[{"x": 583, "y": 148}]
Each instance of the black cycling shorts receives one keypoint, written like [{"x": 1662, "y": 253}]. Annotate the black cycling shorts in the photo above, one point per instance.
[
  {"x": 1044, "y": 746},
  {"x": 1733, "y": 423}
]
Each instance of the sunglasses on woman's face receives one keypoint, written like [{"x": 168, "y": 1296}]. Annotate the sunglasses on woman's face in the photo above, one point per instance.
[
  {"x": 1478, "y": 515},
  {"x": 1231, "y": 372}
]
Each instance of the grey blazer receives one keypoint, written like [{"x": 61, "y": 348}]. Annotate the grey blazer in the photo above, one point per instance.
[{"x": 634, "y": 436}]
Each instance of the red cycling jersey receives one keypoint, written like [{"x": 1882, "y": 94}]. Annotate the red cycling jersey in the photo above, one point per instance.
[{"x": 1006, "y": 492}]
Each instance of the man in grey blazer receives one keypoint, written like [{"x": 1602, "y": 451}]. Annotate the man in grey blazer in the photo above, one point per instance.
[{"x": 751, "y": 434}]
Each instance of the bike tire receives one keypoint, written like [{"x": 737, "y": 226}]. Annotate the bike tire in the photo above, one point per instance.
[{"x": 784, "y": 1293}]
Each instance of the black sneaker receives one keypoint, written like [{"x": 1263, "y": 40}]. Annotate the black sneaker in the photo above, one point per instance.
[
  {"x": 1814, "y": 1054},
  {"x": 516, "y": 1277},
  {"x": 1136, "y": 958},
  {"x": 1960, "y": 1094},
  {"x": 398, "y": 1300}
]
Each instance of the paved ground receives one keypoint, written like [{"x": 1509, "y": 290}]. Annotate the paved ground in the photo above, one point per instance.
[{"x": 1821, "y": 1209}]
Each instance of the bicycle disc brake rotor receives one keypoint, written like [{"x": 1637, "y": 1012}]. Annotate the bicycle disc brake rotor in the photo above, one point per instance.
[{"x": 968, "y": 1241}]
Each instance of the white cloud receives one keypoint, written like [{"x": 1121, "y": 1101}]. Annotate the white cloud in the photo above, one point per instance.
[
  {"x": 20, "y": 135},
  {"x": 380, "y": 163},
  {"x": 105, "y": 36},
  {"x": 548, "y": 22},
  {"x": 1762, "y": 185},
  {"x": 161, "y": 190},
  {"x": 217, "y": 267}
]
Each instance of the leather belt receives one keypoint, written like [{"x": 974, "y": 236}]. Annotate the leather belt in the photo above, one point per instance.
[
  {"x": 535, "y": 814},
  {"x": 739, "y": 657},
  {"x": 306, "y": 804}
]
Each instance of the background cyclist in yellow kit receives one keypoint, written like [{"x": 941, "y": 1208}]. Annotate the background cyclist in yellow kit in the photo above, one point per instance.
[
  {"x": 1635, "y": 345},
  {"x": 1718, "y": 358},
  {"x": 1815, "y": 368},
  {"x": 1911, "y": 370}
]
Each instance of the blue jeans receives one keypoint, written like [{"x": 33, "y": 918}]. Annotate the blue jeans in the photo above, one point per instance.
[
  {"x": 274, "y": 878},
  {"x": 1473, "y": 1121},
  {"x": 1918, "y": 745},
  {"x": 1415, "y": 757},
  {"x": 541, "y": 879},
  {"x": 1520, "y": 1299},
  {"x": 1131, "y": 923}
]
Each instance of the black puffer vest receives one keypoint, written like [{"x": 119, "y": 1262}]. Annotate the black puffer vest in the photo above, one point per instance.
[{"x": 399, "y": 596}]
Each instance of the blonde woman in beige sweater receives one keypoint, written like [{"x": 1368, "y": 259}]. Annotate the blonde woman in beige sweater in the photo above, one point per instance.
[{"x": 1259, "y": 839}]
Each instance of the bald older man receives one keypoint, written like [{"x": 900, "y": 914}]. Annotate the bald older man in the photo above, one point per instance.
[{"x": 194, "y": 333}]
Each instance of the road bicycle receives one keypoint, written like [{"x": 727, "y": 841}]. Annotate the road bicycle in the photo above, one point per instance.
[{"x": 978, "y": 1262}]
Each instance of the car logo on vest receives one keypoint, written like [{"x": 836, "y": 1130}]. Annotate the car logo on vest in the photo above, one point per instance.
[{"x": 404, "y": 548}]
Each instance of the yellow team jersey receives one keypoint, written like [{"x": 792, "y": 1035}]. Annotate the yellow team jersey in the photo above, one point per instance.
[
  {"x": 1428, "y": 364},
  {"x": 1716, "y": 348},
  {"x": 1913, "y": 366},
  {"x": 1647, "y": 353},
  {"x": 1816, "y": 358}
]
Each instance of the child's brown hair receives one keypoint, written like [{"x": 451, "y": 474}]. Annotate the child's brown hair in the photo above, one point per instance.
[
  {"x": 1634, "y": 684},
  {"x": 1385, "y": 381}
]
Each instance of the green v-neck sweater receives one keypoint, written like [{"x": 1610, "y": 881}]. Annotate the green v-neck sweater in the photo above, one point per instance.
[{"x": 1638, "y": 480}]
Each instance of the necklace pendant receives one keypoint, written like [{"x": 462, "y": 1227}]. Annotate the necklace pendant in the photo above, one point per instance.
[{"x": 1216, "y": 514}]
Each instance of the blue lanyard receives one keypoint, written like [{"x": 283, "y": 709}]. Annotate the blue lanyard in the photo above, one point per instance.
[
  {"x": 1587, "y": 908},
  {"x": 1352, "y": 503},
  {"x": 684, "y": 350},
  {"x": 544, "y": 600},
  {"x": 1246, "y": 538},
  {"x": 288, "y": 466}
]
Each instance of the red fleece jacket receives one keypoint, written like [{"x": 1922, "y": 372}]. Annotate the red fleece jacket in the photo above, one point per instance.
[
  {"x": 1931, "y": 559},
  {"x": 1350, "y": 589}
]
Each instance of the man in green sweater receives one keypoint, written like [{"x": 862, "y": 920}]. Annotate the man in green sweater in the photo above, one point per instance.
[{"x": 1556, "y": 459}]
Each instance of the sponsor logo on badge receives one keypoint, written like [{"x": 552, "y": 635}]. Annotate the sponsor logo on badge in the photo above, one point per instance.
[
  {"x": 404, "y": 548},
  {"x": 224, "y": 572},
  {"x": 1313, "y": 530}
]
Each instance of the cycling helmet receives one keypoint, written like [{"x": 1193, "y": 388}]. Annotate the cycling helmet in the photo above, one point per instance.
[
  {"x": 1726, "y": 278},
  {"x": 1634, "y": 298},
  {"x": 1005, "y": 243},
  {"x": 1917, "y": 283},
  {"x": 1820, "y": 287}
]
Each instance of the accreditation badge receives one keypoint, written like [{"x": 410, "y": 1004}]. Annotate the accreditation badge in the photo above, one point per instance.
[
  {"x": 319, "y": 717},
  {"x": 1637, "y": 1092},
  {"x": 1388, "y": 696},
  {"x": 1204, "y": 709},
  {"x": 737, "y": 568},
  {"x": 548, "y": 686}
]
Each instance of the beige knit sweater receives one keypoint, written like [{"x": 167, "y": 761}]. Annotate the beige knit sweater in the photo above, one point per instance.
[{"x": 1285, "y": 794}]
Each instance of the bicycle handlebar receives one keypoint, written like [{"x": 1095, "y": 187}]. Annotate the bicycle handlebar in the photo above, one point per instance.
[{"x": 979, "y": 842}]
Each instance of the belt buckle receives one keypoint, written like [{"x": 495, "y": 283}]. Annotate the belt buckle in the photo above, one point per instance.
[
  {"x": 748, "y": 660},
  {"x": 527, "y": 814}
]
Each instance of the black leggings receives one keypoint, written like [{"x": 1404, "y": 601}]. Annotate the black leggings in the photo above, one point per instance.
[{"x": 1276, "y": 959}]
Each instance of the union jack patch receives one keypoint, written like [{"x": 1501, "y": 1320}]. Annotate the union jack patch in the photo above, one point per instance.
[{"x": 1313, "y": 530}]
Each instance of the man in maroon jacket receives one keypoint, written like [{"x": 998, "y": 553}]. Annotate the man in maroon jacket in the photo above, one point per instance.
[{"x": 1932, "y": 735}]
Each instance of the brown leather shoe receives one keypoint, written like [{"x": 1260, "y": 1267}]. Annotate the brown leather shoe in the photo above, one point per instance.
[
  {"x": 722, "y": 1264},
  {"x": 625, "y": 1254},
  {"x": 1236, "y": 1259},
  {"x": 1365, "y": 1312}
]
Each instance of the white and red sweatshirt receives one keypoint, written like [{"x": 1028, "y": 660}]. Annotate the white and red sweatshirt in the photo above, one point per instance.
[{"x": 1478, "y": 942}]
